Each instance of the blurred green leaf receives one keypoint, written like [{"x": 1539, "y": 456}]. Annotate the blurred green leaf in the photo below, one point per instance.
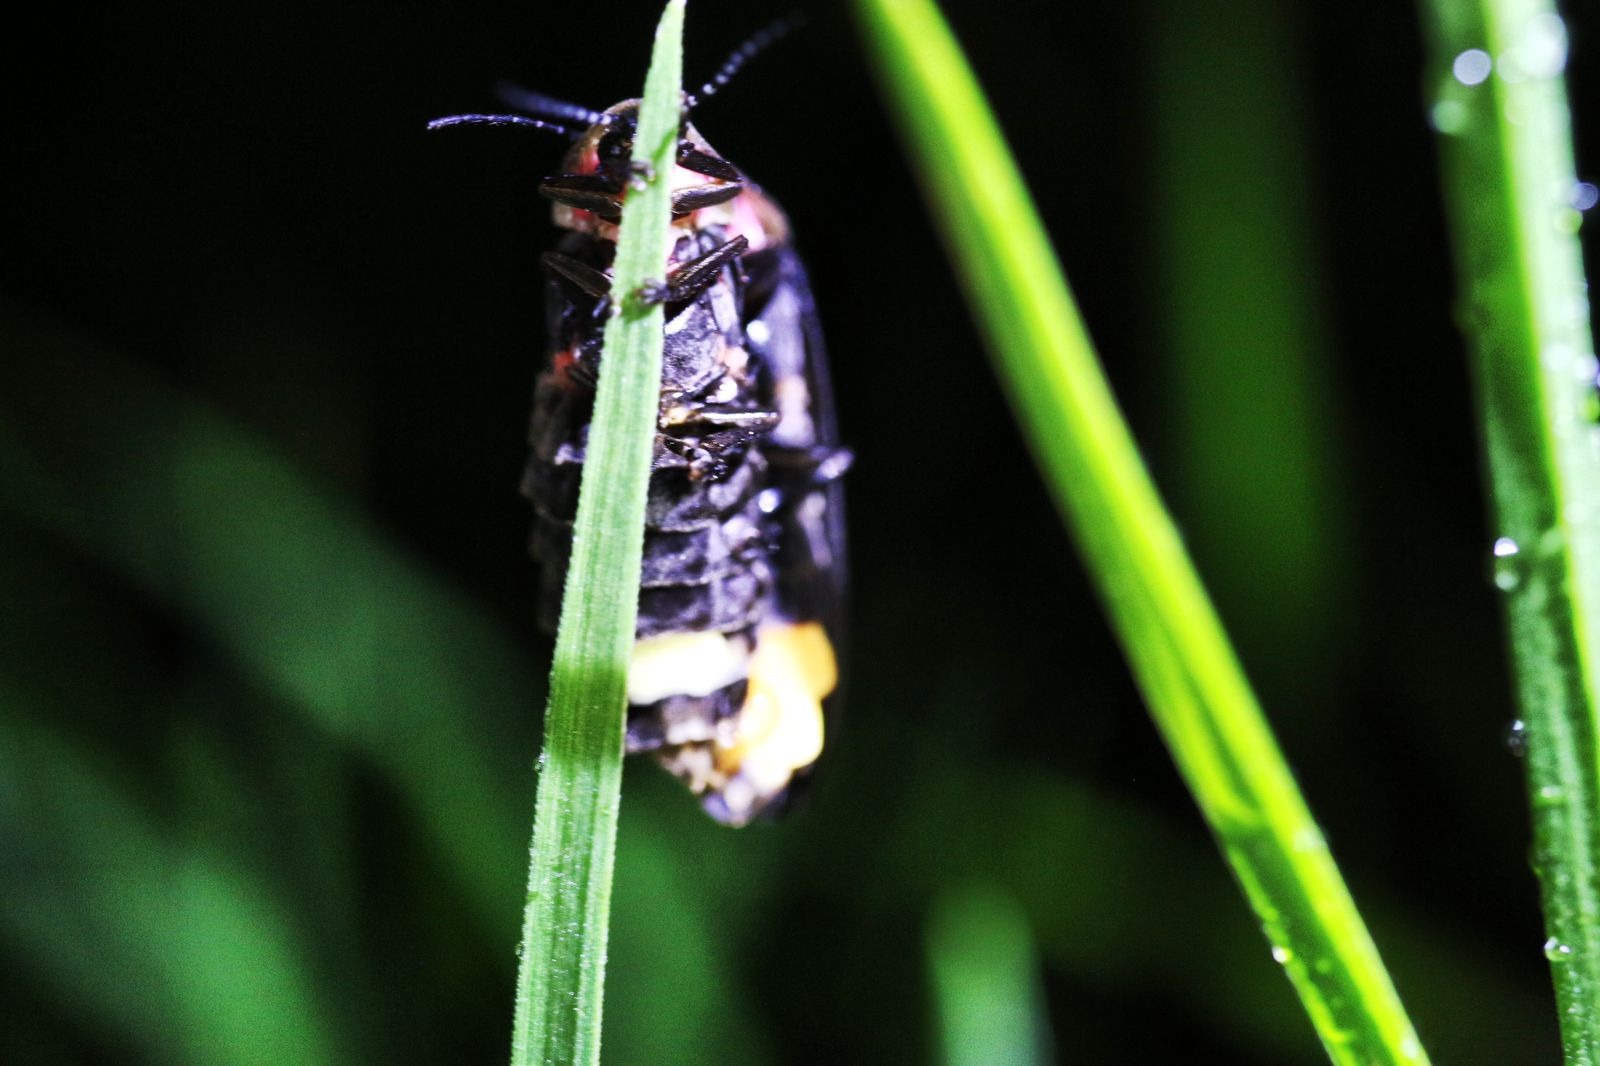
[
  {"x": 169, "y": 939},
  {"x": 672, "y": 991},
  {"x": 286, "y": 579},
  {"x": 1251, "y": 414},
  {"x": 985, "y": 977}
]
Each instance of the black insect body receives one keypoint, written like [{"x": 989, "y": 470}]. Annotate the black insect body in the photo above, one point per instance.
[{"x": 743, "y": 563}]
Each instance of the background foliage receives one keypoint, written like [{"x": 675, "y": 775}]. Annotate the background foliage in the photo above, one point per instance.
[{"x": 268, "y": 683}]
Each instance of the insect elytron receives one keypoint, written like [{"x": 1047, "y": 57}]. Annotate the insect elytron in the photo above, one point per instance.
[{"x": 743, "y": 567}]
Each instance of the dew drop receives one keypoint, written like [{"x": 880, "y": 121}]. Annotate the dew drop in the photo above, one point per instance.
[
  {"x": 1281, "y": 955},
  {"x": 1583, "y": 195},
  {"x": 1556, "y": 951},
  {"x": 1542, "y": 52},
  {"x": 1507, "y": 564},
  {"x": 1472, "y": 67},
  {"x": 1585, "y": 368},
  {"x": 1517, "y": 738},
  {"x": 1308, "y": 838},
  {"x": 1555, "y": 356},
  {"x": 1338, "y": 1037},
  {"x": 1450, "y": 117}
]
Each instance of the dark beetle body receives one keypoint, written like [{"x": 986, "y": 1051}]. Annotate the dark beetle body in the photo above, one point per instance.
[{"x": 743, "y": 548}]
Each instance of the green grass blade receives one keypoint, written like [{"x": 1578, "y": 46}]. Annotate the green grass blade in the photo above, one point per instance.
[
  {"x": 1243, "y": 335},
  {"x": 1502, "y": 110},
  {"x": 283, "y": 578},
  {"x": 562, "y": 972},
  {"x": 1181, "y": 657},
  {"x": 986, "y": 981},
  {"x": 173, "y": 941}
]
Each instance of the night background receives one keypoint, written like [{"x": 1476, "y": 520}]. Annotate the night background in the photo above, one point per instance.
[{"x": 270, "y": 686}]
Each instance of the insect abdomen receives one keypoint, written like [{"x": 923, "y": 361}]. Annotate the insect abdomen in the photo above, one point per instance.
[{"x": 742, "y": 552}]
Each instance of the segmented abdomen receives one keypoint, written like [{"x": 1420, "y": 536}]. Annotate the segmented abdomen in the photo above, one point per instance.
[{"x": 707, "y": 558}]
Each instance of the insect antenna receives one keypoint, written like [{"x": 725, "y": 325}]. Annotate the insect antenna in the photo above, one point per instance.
[
  {"x": 757, "y": 43},
  {"x": 500, "y": 120},
  {"x": 547, "y": 106}
]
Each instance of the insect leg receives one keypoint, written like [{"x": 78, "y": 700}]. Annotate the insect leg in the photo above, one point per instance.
[
  {"x": 719, "y": 417},
  {"x": 695, "y": 276},
  {"x": 817, "y": 465},
  {"x": 692, "y": 158},
  {"x": 703, "y": 462},
  {"x": 584, "y": 276},
  {"x": 698, "y": 196},
  {"x": 586, "y": 192}
]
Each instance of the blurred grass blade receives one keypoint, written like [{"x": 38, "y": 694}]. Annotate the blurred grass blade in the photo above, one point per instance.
[
  {"x": 171, "y": 940},
  {"x": 562, "y": 972},
  {"x": 1242, "y": 284},
  {"x": 985, "y": 981},
  {"x": 1507, "y": 145},
  {"x": 296, "y": 587},
  {"x": 678, "y": 943},
  {"x": 1181, "y": 658}
]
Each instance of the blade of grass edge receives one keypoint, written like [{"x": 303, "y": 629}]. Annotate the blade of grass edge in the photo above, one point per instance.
[
  {"x": 1181, "y": 657},
  {"x": 1506, "y": 143},
  {"x": 561, "y": 975}
]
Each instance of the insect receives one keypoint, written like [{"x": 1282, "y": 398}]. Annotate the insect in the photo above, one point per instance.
[{"x": 743, "y": 569}]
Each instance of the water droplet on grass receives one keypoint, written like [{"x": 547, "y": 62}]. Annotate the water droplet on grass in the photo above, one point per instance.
[
  {"x": 1517, "y": 738},
  {"x": 1584, "y": 368},
  {"x": 1542, "y": 50},
  {"x": 1472, "y": 67},
  {"x": 1507, "y": 564},
  {"x": 1450, "y": 117}
]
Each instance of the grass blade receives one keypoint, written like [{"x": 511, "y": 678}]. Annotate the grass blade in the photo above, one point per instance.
[
  {"x": 1244, "y": 337},
  {"x": 986, "y": 981},
  {"x": 175, "y": 942},
  {"x": 562, "y": 972},
  {"x": 1507, "y": 146},
  {"x": 1181, "y": 657}
]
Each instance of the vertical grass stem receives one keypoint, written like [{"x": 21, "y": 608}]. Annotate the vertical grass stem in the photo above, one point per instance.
[
  {"x": 562, "y": 971},
  {"x": 1500, "y": 105}
]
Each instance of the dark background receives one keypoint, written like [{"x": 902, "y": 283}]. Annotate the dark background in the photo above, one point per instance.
[{"x": 269, "y": 685}]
